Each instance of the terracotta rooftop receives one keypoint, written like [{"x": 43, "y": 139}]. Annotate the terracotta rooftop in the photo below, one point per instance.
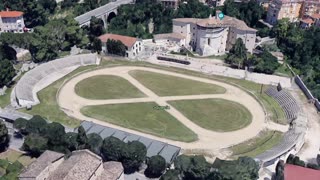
[
  {"x": 292, "y": 172},
  {"x": 307, "y": 20},
  {"x": 7, "y": 14},
  {"x": 126, "y": 40},
  {"x": 36, "y": 167},
  {"x": 80, "y": 165},
  {"x": 112, "y": 171},
  {"x": 316, "y": 16},
  {"x": 216, "y": 22}
]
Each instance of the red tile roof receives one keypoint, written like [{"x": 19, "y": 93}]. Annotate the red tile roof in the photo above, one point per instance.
[
  {"x": 292, "y": 172},
  {"x": 316, "y": 16},
  {"x": 6, "y": 14},
  {"x": 126, "y": 40},
  {"x": 307, "y": 20}
]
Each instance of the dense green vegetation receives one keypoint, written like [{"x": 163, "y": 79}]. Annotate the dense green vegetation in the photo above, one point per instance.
[
  {"x": 261, "y": 63},
  {"x": 196, "y": 167},
  {"x": 250, "y": 12},
  {"x": 133, "y": 20},
  {"x": 215, "y": 114},
  {"x": 142, "y": 117},
  {"x": 116, "y": 47},
  {"x": 167, "y": 85},
  {"x": 301, "y": 47},
  {"x": 4, "y": 137},
  {"x": 107, "y": 87}
]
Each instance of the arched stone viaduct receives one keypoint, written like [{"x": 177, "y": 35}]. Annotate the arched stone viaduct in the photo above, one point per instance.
[{"x": 106, "y": 12}]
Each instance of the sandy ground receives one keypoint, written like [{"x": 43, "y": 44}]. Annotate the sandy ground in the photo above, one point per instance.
[
  {"x": 311, "y": 146},
  {"x": 208, "y": 141}
]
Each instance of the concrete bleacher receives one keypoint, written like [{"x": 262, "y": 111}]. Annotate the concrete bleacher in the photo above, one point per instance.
[
  {"x": 286, "y": 101},
  {"x": 167, "y": 151},
  {"x": 25, "y": 92},
  {"x": 293, "y": 139}
]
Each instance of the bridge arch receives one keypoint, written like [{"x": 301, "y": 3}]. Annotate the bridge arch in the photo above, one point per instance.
[{"x": 111, "y": 15}]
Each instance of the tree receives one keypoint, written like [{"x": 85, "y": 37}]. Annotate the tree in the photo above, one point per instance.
[
  {"x": 96, "y": 27},
  {"x": 21, "y": 125},
  {"x": 192, "y": 167},
  {"x": 96, "y": 45},
  {"x": 95, "y": 143},
  {"x": 298, "y": 162},
  {"x": 237, "y": 54},
  {"x": 170, "y": 175},
  {"x": 182, "y": 163},
  {"x": 266, "y": 63},
  {"x": 240, "y": 169},
  {"x": 35, "y": 144},
  {"x": 318, "y": 159},
  {"x": 4, "y": 137},
  {"x": 15, "y": 167},
  {"x": 116, "y": 47},
  {"x": 133, "y": 156},
  {"x": 198, "y": 169},
  {"x": 70, "y": 139},
  {"x": 55, "y": 134},
  {"x": 112, "y": 148},
  {"x": 82, "y": 138},
  {"x": 280, "y": 170},
  {"x": 7, "y": 72},
  {"x": 36, "y": 125},
  {"x": 156, "y": 166}
]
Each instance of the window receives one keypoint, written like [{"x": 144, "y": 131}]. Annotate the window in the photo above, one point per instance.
[{"x": 209, "y": 41}]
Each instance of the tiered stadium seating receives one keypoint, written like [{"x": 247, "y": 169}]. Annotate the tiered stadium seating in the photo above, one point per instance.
[
  {"x": 286, "y": 101},
  {"x": 292, "y": 137},
  {"x": 25, "y": 87}
]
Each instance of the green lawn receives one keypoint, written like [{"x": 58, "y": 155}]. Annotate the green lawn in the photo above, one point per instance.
[
  {"x": 49, "y": 108},
  {"x": 107, "y": 87},
  {"x": 253, "y": 147},
  {"x": 5, "y": 99},
  {"x": 12, "y": 156},
  {"x": 142, "y": 117},
  {"x": 215, "y": 114},
  {"x": 166, "y": 85},
  {"x": 283, "y": 70}
]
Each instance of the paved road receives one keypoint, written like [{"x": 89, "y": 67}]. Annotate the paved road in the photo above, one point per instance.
[{"x": 208, "y": 140}]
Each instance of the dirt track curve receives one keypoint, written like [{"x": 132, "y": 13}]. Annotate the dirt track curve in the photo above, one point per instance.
[{"x": 209, "y": 141}]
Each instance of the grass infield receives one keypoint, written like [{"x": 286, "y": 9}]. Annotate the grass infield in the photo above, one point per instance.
[
  {"x": 142, "y": 117},
  {"x": 215, "y": 114},
  {"x": 166, "y": 85},
  {"x": 107, "y": 87}
]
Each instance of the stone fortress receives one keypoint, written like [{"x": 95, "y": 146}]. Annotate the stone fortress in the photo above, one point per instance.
[{"x": 210, "y": 36}]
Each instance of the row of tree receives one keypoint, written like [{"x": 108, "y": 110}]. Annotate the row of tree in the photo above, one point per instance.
[
  {"x": 41, "y": 136},
  {"x": 261, "y": 63},
  {"x": 197, "y": 168},
  {"x": 133, "y": 20},
  {"x": 302, "y": 49}
]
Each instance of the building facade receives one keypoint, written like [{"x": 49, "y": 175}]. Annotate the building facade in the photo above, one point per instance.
[
  {"x": 11, "y": 21},
  {"x": 279, "y": 9},
  {"x": 213, "y": 36},
  {"x": 134, "y": 46},
  {"x": 174, "y": 4},
  {"x": 291, "y": 9}
]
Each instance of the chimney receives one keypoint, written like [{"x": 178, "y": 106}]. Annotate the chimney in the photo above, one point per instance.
[{"x": 8, "y": 9}]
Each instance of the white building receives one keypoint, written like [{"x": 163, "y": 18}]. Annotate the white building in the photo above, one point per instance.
[
  {"x": 11, "y": 21},
  {"x": 134, "y": 46},
  {"x": 212, "y": 36}
]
